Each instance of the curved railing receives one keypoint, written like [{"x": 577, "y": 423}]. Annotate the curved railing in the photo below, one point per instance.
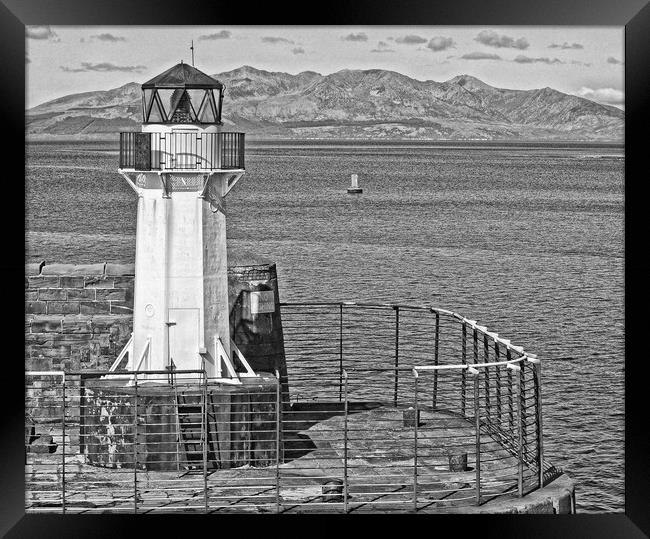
[
  {"x": 480, "y": 393},
  {"x": 382, "y": 408}
]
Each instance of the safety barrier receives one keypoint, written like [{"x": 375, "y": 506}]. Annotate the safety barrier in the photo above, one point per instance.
[{"x": 388, "y": 408}]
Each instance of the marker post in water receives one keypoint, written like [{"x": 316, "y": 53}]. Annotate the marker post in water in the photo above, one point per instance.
[{"x": 354, "y": 186}]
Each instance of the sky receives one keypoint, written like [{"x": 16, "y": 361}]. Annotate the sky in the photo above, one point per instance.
[{"x": 586, "y": 60}]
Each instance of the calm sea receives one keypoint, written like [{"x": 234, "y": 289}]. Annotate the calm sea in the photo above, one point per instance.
[{"x": 526, "y": 239}]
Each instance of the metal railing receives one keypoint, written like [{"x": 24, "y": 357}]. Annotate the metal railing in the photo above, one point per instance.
[
  {"x": 445, "y": 418},
  {"x": 181, "y": 150}
]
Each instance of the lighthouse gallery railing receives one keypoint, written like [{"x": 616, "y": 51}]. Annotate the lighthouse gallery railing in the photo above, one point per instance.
[{"x": 182, "y": 150}]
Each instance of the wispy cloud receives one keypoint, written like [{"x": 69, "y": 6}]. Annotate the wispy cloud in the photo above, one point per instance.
[
  {"x": 223, "y": 34},
  {"x": 493, "y": 39},
  {"x": 480, "y": 56},
  {"x": 103, "y": 67},
  {"x": 521, "y": 59},
  {"x": 382, "y": 46},
  {"x": 612, "y": 60},
  {"x": 355, "y": 37},
  {"x": 609, "y": 96},
  {"x": 274, "y": 40},
  {"x": 565, "y": 45},
  {"x": 110, "y": 38},
  {"x": 440, "y": 43},
  {"x": 578, "y": 63},
  {"x": 411, "y": 39},
  {"x": 41, "y": 32},
  {"x": 298, "y": 50}
]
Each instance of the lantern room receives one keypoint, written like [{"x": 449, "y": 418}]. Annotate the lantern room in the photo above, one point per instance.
[
  {"x": 182, "y": 95},
  {"x": 182, "y": 127}
]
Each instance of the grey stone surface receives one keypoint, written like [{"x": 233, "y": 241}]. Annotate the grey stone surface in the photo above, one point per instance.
[
  {"x": 70, "y": 270},
  {"x": 119, "y": 269}
]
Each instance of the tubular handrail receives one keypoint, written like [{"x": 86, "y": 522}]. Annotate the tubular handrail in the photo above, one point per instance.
[
  {"x": 468, "y": 365},
  {"x": 434, "y": 310}
]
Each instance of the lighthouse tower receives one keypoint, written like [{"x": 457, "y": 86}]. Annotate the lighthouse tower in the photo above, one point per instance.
[{"x": 182, "y": 166}]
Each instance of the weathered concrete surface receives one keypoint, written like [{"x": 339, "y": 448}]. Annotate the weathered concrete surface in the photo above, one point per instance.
[{"x": 295, "y": 486}]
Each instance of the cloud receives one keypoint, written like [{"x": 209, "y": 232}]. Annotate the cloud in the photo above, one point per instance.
[
  {"x": 298, "y": 50},
  {"x": 224, "y": 34},
  {"x": 566, "y": 45},
  {"x": 529, "y": 60},
  {"x": 382, "y": 46},
  {"x": 355, "y": 37},
  {"x": 480, "y": 56},
  {"x": 609, "y": 96},
  {"x": 411, "y": 39},
  {"x": 612, "y": 60},
  {"x": 41, "y": 32},
  {"x": 275, "y": 40},
  {"x": 577, "y": 63},
  {"x": 103, "y": 67},
  {"x": 492, "y": 39},
  {"x": 440, "y": 43},
  {"x": 107, "y": 38}
]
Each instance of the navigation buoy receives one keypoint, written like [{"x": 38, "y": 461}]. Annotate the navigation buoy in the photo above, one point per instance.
[{"x": 354, "y": 186}]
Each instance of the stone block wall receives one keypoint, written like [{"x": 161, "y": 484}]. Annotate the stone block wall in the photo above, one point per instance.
[
  {"x": 77, "y": 316},
  {"x": 81, "y": 316}
]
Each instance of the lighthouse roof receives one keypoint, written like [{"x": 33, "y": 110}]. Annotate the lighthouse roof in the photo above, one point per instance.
[{"x": 182, "y": 76}]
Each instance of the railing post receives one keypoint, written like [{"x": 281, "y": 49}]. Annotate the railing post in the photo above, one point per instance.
[
  {"x": 135, "y": 446},
  {"x": 511, "y": 412},
  {"x": 205, "y": 437},
  {"x": 345, "y": 444},
  {"x": 540, "y": 444},
  {"x": 486, "y": 358},
  {"x": 278, "y": 405},
  {"x": 340, "y": 349},
  {"x": 415, "y": 444},
  {"x": 497, "y": 381},
  {"x": 524, "y": 412},
  {"x": 396, "y": 353},
  {"x": 520, "y": 445},
  {"x": 435, "y": 362},
  {"x": 463, "y": 374},
  {"x": 477, "y": 425},
  {"x": 63, "y": 446}
]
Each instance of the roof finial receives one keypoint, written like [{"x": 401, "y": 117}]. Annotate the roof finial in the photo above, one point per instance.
[{"x": 192, "y": 49}]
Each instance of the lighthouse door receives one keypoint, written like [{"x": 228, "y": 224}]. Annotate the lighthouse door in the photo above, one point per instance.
[{"x": 184, "y": 338}]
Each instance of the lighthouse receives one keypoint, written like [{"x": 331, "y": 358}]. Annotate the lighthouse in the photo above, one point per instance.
[{"x": 182, "y": 165}]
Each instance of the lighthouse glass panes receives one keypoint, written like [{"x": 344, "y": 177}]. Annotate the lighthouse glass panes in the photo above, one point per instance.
[{"x": 181, "y": 105}]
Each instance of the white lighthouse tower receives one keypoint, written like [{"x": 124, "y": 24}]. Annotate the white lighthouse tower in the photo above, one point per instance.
[{"x": 182, "y": 166}]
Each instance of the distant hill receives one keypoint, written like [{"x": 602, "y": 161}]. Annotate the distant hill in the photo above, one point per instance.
[{"x": 364, "y": 104}]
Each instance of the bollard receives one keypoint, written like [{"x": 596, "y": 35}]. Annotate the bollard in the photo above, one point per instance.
[
  {"x": 458, "y": 462},
  {"x": 333, "y": 490},
  {"x": 409, "y": 416}
]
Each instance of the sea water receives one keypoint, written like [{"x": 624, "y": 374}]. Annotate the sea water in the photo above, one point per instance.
[{"x": 527, "y": 239}]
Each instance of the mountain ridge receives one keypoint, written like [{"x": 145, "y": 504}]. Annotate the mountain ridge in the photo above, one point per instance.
[{"x": 352, "y": 103}]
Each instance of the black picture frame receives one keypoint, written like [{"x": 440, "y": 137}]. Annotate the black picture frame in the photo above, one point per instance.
[{"x": 633, "y": 14}]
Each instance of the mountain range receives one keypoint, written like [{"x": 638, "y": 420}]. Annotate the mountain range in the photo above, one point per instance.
[{"x": 351, "y": 104}]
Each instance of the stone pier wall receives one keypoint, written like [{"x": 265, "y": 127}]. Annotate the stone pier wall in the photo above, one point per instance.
[
  {"x": 81, "y": 316},
  {"x": 77, "y": 316}
]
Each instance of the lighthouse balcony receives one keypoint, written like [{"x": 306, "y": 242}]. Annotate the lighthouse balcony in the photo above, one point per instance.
[{"x": 181, "y": 151}]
